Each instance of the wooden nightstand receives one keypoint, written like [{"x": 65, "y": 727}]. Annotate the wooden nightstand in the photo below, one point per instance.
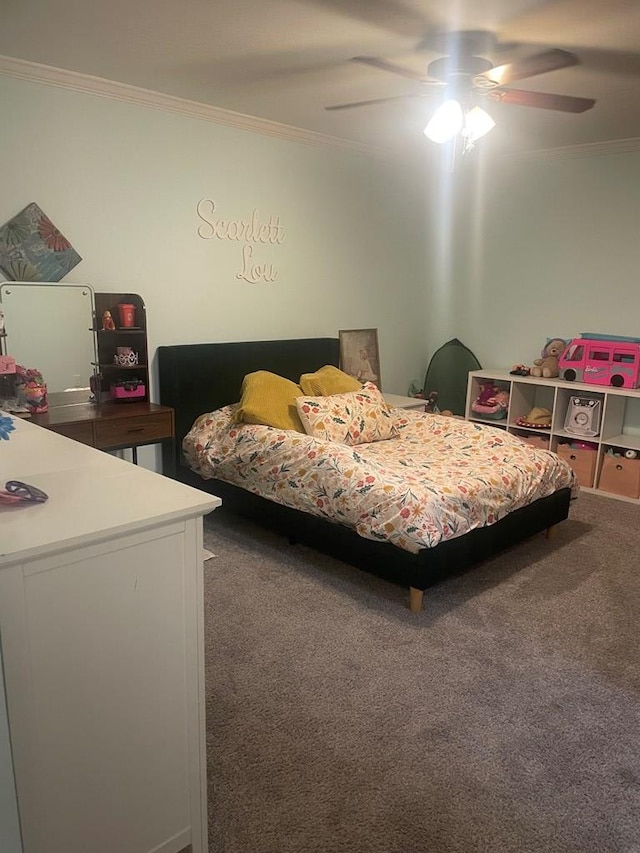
[{"x": 112, "y": 426}]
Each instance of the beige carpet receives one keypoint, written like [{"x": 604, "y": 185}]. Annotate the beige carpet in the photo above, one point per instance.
[{"x": 504, "y": 717}]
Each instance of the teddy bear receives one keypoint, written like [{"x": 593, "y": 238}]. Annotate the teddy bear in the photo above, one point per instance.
[{"x": 547, "y": 365}]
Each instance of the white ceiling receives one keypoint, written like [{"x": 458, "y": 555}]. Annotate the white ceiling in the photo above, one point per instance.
[{"x": 285, "y": 60}]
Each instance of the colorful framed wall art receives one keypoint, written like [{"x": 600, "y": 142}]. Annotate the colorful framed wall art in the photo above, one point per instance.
[{"x": 33, "y": 249}]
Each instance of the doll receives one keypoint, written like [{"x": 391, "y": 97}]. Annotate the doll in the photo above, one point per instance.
[{"x": 492, "y": 402}]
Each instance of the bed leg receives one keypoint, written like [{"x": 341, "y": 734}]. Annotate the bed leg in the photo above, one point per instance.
[
  {"x": 415, "y": 599},
  {"x": 550, "y": 532}
]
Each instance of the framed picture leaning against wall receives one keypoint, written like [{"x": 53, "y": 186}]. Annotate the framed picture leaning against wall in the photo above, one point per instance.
[{"x": 359, "y": 354}]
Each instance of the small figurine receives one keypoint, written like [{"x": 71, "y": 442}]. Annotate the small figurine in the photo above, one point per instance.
[
  {"x": 431, "y": 405},
  {"x": 108, "y": 324},
  {"x": 415, "y": 390}
]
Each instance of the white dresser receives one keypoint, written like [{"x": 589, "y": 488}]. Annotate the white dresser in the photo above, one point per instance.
[{"x": 101, "y": 625}]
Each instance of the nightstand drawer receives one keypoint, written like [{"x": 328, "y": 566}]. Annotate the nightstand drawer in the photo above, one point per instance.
[
  {"x": 126, "y": 432},
  {"x": 78, "y": 432}
]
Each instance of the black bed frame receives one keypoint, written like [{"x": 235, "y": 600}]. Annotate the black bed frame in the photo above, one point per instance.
[{"x": 198, "y": 378}]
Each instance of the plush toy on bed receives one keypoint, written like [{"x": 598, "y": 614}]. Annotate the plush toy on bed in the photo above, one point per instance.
[
  {"x": 492, "y": 402},
  {"x": 547, "y": 365}
]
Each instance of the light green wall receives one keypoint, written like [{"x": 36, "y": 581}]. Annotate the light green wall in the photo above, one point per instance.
[
  {"x": 500, "y": 256},
  {"x": 538, "y": 250},
  {"x": 122, "y": 182}
]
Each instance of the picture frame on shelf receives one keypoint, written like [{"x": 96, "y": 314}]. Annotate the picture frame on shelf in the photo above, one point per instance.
[{"x": 360, "y": 354}]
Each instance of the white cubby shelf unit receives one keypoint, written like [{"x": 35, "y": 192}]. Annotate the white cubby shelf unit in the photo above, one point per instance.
[{"x": 619, "y": 427}]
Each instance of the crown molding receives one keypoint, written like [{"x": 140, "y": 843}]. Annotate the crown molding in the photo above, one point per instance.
[
  {"x": 568, "y": 152},
  {"x": 86, "y": 83}
]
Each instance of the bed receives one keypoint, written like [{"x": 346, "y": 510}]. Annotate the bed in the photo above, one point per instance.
[{"x": 197, "y": 379}]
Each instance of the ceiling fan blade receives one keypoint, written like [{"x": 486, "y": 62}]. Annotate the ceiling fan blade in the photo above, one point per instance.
[
  {"x": 384, "y": 65},
  {"x": 529, "y": 66},
  {"x": 542, "y": 100},
  {"x": 373, "y": 101}
]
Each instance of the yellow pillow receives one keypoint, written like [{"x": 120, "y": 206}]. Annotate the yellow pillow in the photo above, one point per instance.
[
  {"x": 327, "y": 381},
  {"x": 269, "y": 399}
]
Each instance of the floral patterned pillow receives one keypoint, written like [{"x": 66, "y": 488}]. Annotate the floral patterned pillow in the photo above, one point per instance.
[{"x": 355, "y": 417}]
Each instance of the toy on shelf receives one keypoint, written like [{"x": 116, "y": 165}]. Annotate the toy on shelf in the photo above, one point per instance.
[
  {"x": 108, "y": 323},
  {"x": 547, "y": 364},
  {"x": 520, "y": 370},
  {"x": 583, "y": 416},
  {"x": 626, "y": 452},
  {"x": 537, "y": 418},
  {"x": 492, "y": 402},
  {"x": 583, "y": 445},
  {"x": 601, "y": 361}
]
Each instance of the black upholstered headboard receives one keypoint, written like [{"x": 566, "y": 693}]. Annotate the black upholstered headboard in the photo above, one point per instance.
[{"x": 199, "y": 378}]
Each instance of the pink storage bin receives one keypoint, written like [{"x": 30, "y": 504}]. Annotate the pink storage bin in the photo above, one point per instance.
[{"x": 127, "y": 389}]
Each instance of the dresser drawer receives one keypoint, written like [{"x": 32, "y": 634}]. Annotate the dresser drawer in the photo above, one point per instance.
[
  {"x": 78, "y": 432},
  {"x": 126, "y": 432}
]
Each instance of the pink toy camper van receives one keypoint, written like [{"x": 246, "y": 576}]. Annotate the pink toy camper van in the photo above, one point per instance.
[{"x": 602, "y": 362}]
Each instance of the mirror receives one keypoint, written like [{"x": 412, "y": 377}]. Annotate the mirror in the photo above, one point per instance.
[{"x": 48, "y": 326}]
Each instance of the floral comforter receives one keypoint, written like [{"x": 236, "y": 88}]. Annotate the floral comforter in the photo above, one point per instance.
[{"x": 437, "y": 479}]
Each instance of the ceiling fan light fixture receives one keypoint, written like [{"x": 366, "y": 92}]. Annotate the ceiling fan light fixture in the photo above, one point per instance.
[
  {"x": 445, "y": 123},
  {"x": 477, "y": 123}
]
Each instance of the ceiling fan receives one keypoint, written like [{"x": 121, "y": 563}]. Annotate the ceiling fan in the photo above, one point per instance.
[{"x": 465, "y": 77}]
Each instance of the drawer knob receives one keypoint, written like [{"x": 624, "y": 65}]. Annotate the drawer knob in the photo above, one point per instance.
[
  {"x": 136, "y": 429},
  {"x": 618, "y": 467}
]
